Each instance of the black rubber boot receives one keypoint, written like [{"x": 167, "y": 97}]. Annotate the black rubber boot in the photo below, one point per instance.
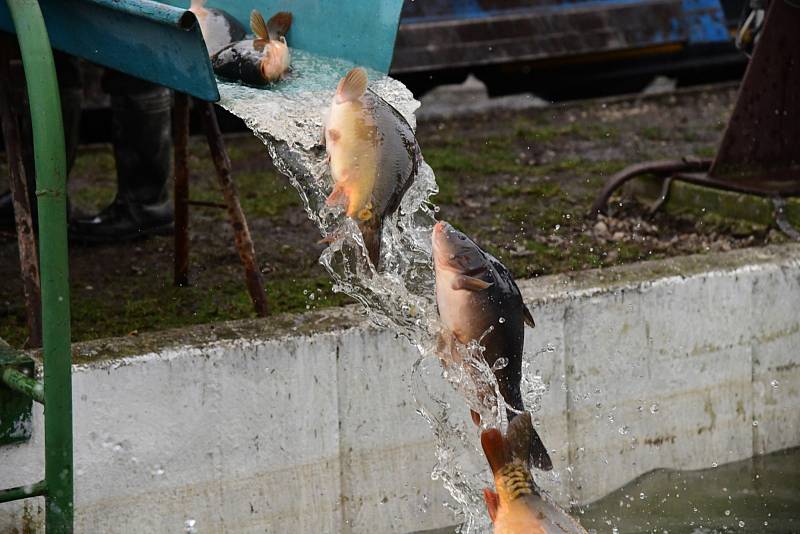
[
  {"x": 68, "y": 70},
  {"x": 141, "y": 133}
]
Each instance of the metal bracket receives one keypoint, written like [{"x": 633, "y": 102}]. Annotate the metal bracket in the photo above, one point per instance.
[{"x": 15, "y": 407}]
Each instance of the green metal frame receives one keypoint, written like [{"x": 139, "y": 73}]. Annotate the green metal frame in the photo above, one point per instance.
[{"x": 56, "y": 392}]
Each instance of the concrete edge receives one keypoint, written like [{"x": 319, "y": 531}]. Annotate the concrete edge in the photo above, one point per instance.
[{"x": 113, "y": 352}]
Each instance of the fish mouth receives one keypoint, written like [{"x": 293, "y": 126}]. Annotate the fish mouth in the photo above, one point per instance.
[{"x": 441, "y": 248}]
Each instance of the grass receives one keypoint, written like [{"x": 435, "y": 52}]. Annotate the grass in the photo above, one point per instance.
[{"x": 137, "y": 310}]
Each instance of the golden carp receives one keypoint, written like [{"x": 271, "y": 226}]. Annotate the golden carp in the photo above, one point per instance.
[
  {"x": 373, "y": 157},
  {"x": 518, "y": 506},
  {"x": 259, "y": 61}
]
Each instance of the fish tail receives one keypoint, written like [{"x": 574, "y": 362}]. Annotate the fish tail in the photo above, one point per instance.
[
  {"x": 371, "y": 231},
  {"x": 525, "y": 443},
  {"x": 279, "y": 24}
]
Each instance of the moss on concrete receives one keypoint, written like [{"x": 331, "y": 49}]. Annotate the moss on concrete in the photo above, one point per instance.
[{"x": 735, "y": 213}]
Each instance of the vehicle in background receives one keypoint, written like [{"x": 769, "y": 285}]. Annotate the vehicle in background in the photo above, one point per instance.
[{"x": 563, "y": 49}]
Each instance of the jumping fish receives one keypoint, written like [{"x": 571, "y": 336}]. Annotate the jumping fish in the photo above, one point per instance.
[
  {"x": 518, "y": 506},
  {"x": 219, "y": 28},
  {"x": 373, "y": 157},
  {"x": 259, "y": 61},
  {"x": 478, "y": 300}
]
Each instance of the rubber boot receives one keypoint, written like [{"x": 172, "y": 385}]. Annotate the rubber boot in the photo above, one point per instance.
[
  {"x": 141, "y": 134},
  {"x": 68, "y": 71}
]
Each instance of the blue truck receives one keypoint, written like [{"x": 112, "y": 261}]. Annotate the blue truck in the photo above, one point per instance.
[{"x": 563, "y": 47}]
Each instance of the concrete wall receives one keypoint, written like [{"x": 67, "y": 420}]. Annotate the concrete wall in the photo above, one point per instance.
[{"x": 304, "y": 424}]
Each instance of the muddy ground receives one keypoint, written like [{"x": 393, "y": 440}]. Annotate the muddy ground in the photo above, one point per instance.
[{"x": 520, "y": 182}]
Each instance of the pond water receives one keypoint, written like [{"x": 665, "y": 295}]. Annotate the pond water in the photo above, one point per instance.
[{"x": 760, "y": 494}]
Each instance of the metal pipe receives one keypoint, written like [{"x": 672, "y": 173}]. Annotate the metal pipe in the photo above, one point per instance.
[
  {"x": 48, "y": 142},
  {"x": 155, "y": 11},
  {"x": 23, "y": 492},
  {"x": 21, "y": 382}
]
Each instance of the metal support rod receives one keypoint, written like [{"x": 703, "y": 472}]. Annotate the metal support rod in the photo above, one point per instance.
[
  {"x": 180, "y": 124},
  {"x": 23, "y": 492},
  {"x": 18, "y": 183},
  {"x": 23, "y": 383},
  {"x": 659, "y": 168},
  {"x": 241, "y": 231},
  {"x": 50, "y": 158}
]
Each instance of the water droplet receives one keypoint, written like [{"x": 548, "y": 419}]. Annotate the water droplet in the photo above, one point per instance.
[
  {"x": 727, "y": 512},
  {"x": 714, "y": 464},
  {"x": 755, "y": 423},
  {"x": 775, "y": 384},
  {"x": 188, "y": 526},
  {"x": 654, "y": 408},
  {"x": 157, "y": 470},
  {"x": 623, "y": 430},
  {"x": 500, "y": 363},
  {"x": 741, "y": 524},
  {"x": 501, "y": 320},
  {"x": 642, "y": 496}
]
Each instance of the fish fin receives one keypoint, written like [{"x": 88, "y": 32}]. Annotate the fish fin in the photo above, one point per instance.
[
  {"x": 476, "y": 417},
  {"x": 278, "y": 25},
  {"x": 492, "y": 503},
  {"x": 371, "y": 230},
  {"x": 353, "y": 85},
  {"x": 470, "y": 283},
  {"x": 528, "y": 316},
  {"x": 494, "y": 448},
  {"x": 525, "y": 444},
  {"x": 258, "y": 26},
  {"x": 197, "y": 4},
  {"x": 338, "y": 197}
]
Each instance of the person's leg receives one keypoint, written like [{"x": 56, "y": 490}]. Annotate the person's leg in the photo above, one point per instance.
[
  {"x": 141, "y": 134},
  {"x": 70, "y": 82}
]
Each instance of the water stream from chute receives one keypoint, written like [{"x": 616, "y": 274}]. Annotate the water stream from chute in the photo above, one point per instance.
[{"x": 288, "y": 117}]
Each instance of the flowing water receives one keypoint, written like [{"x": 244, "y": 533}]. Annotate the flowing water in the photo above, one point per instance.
[{"x": 288, "y": 117}]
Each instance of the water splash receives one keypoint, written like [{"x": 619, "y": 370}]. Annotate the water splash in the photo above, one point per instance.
[{"x": 288, "y": 117}]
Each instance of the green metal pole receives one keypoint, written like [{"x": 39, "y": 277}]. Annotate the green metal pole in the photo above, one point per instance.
[{"x": 48, "y": 142}]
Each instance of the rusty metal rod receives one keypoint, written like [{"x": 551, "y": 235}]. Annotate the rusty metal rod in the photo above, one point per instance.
[
  {"x": 180, "y": 124},
  {"x": 241, "y": 232},
  {"x": 18, "y": 183},
  {"x": 659, "y": 168}
]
